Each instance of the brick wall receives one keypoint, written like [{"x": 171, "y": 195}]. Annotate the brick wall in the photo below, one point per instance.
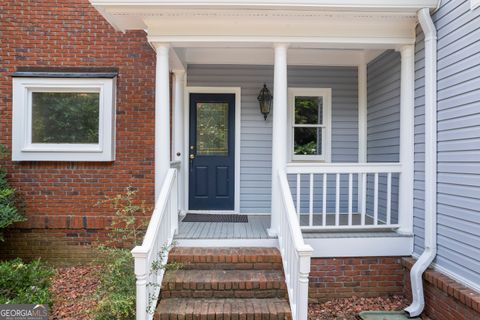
[
  {"x": 60, "y": 197},
  {"x": 362, "y": 277},
  {"x": 445, "y": 299}
]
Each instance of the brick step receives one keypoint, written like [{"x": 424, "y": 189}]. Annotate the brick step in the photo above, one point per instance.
[
  {"x": 219, "y": 309},
  {"x": 224, "y": 284},
  {"x": 227, "y": 258}
]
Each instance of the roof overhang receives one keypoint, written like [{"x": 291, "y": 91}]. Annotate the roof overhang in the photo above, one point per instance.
[{"x": 302, "y": 23}]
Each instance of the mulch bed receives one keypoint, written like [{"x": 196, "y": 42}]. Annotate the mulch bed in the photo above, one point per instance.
[
  {"x": 348, "y": 309},
  {"x": 73, "y": 290}
]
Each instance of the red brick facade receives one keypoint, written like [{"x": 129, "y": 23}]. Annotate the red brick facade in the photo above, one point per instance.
[
  {"x": 60, "y": 197},
  {"x": 445, "y": 299},
  {"x": 362, "y": 277}
]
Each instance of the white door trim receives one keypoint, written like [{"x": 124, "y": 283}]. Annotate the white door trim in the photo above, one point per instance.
[{"x": 237, "y": 91}]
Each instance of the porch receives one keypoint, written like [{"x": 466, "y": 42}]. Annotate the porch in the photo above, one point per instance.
[{"x": 335, "y": 181}]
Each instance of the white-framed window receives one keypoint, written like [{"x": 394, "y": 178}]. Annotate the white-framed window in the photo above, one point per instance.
[
  {"x": 310, "y": 124},
  {"x": 474, "y": 4},
  {"x": 63, "y": 119}
]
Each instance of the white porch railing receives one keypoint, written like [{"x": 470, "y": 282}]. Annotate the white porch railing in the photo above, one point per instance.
[
  {"x": 160, "y": 232},
  {"x": 346, "y": 195},
  {"x": 295, "y": 253}
]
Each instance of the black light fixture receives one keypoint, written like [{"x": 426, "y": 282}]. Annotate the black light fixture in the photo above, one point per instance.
[{"x": 265, "y": 99}]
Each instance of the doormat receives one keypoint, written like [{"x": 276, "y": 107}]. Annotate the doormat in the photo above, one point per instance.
[{"x": 233, "y": 218}]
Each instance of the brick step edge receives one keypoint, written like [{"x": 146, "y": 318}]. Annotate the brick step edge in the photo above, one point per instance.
[
  {"x": 223, "y": 256},
  {"x": 223, "y": 280},
  {"x": 223, "y": 309},
  {"x": 234, "y": 293}
]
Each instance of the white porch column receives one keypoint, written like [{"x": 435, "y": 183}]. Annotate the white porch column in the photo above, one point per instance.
[
  {"x": 162, "y": 116},
  {"x": 362, "y": 126},
  {"x": 279, "y": 131},
  {"x": 178, "y": 129},
  {"x": 407, "y": 117}
]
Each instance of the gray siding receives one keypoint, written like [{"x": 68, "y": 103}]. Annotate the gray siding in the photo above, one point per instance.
[
  {"x": 383, "y": 112},
  {"x": 458, "y": 140},
  {"x": 256, "y": 134},
  {"x": 383, "y": 125}
]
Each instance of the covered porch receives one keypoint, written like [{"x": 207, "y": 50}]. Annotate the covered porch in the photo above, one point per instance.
[{"x": 337, "y": 181}]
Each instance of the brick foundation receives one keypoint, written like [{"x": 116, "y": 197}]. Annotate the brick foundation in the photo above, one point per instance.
[
  {"x": 362, "y": 277},
  {"x": 445, "y": 298}
]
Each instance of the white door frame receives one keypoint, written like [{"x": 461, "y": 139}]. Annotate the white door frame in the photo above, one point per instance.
[{"x": 238, "y": 106}]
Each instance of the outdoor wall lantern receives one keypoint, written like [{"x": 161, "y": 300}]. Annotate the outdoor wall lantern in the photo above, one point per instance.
[{"x": 265, "y": 99}]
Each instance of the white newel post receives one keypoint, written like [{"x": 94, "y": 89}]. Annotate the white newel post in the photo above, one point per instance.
[
  {"x": 407, "y": 117},
  {"x": 303, "y": 271},
  {"x": 141, "y": 274},
  {"x": 279, "y": 131},
  {"x": 178, "y": 128},
  {"x": 162, "y": 116}
]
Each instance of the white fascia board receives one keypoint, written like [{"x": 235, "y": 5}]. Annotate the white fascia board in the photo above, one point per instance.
[
  {"x": 361, "y": 246},
  {"x": 264, "y": 56},
  {"x": 367, "y": 5}
]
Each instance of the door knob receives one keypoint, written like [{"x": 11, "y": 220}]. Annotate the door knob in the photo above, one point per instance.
[{"x": 192, "y": 156}]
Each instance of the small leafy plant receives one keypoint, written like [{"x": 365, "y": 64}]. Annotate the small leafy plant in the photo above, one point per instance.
[
  {"x": 116, "y": 292},
  {"x": 25, "y": 283},
  {"x": 128, "y": 223},
  {"x": 9, "y": 213}
]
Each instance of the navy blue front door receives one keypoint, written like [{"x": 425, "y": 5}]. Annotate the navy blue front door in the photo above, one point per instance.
[{"x": 212, "y": 152}]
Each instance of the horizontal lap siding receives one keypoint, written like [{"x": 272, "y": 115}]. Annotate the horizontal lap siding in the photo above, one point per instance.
[
  {"x": 383, "y": 126},
  {"x": 256, "y": 134},
  {"x": 458, "y": 141}
]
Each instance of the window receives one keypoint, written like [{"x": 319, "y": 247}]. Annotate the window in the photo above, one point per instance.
[
  {"x": 474, "y": 4},
  {"x": 63, "y": 119},
  {"x": 310, "y": 124}
]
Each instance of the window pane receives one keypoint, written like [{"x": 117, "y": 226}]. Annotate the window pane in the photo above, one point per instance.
[
  {"x": 65, "y": 117},
  {"x": 212, "y": 129},
  {"x": 308, "y": 141},
  {"x": 308, "y": 110}
]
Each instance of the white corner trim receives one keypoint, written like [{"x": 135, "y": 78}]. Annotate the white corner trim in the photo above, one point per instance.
[
  {"x": 238, "y": 108},
  {"x": 326, "y": 93},
  {"x": 474, "y": 4},
  {"x": 23, "y": 149}
]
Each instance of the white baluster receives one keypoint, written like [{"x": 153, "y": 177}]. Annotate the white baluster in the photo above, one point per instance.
[
  {"x": 310, "y": 207},
  {"x": 298, "y": 195},
  {"x": 337, "y": 200},
  {"x": 364, "y": 198},
  {"x": 375, "y": 200},
  {"x": 350, "y": 198},
  {"x": 324, "y": 200},
  {"x": 389, "y": 198}
]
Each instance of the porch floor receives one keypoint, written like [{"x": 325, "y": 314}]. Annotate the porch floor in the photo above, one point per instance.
[{"x": 256, "y": 228}]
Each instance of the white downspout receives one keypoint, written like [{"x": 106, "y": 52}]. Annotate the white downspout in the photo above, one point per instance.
[{"x": 428, "y": 255}]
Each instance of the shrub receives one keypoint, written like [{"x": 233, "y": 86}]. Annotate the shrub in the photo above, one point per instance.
[
  {"x": 116, "y": 292},
  {"x": 9, "y": 212},
  {"x": 24, "y": 283}
]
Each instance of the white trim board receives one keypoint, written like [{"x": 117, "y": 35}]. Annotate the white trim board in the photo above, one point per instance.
[
  {"x": 360, "y": 246},
  {"x": 232, "y": 243},
  {"x": 238, "y": 107}
]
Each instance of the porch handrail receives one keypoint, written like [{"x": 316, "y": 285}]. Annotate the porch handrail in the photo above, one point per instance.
[
  {"x": 160, "y": 232},
  {"x": 295, "y": 253},
  {"x": 347, "y": 210}
]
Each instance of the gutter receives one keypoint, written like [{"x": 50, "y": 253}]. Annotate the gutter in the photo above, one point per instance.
[{"x": 430, "y": 251}]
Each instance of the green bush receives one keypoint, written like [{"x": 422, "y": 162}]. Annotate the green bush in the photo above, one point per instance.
[
  {"x": 24, "y": 283},
  {"x": 116, "y": 292},
  {"x": 9, "y": 213}
]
